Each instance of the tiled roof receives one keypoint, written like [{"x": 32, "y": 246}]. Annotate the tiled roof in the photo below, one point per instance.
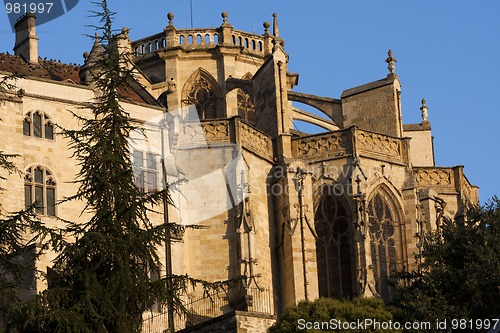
[
  {"x": 46, "y": 69},
  {"x": 57, "y": 71}
]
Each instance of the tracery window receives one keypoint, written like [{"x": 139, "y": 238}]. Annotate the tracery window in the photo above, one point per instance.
[
  {"x": 40, "y": 189},
  {"x": 383, "y": 240},
  {"x": 37, "y": 124},
  {"x": 333, "y": 248},
  {"x": 145, "y": 170},
  {"x": 200, "y": 91},
  {"x": 246, "y": 108}
]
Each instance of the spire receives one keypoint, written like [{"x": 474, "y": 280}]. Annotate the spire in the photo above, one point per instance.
[
  {"x": 276, "y": 30},
  {"x": 277, "y": 40},
  {"x": 95, "y": 52},
  {"x": 425, "y": 115},
  {"x": 391, "y": 61},
  {"x": 91, "y": 59}
]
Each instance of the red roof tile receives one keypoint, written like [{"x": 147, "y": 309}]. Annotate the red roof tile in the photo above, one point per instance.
[
  {"x": 57, "y": 71},
  {"x": 46, "y": 69}
]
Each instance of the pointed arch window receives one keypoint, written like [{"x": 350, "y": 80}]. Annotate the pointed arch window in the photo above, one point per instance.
[
  {"x": 333, "y": 247},
  {"x": 39, "y": 125},
  {"x": 202, "y": 91},
  {"x": 384, "y": 243},
  {"x": 40, "y": 189}
]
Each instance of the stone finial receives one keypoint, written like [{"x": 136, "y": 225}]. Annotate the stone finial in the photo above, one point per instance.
[
  {"x": 266, "y": 25},
  {"x": 224, "y": 18},
  {"x": 276, "y": 30},
  {"x": 391, "y": 61},
  {"x": 125, "y": 31},
  {"x": 170, "y": 17},
  {"x": 425, "y": 114}
]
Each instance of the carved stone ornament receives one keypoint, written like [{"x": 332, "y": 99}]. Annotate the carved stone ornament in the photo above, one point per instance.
[
  {"x": 331, "y": 144},
  {"x": 437, "y": 177}
]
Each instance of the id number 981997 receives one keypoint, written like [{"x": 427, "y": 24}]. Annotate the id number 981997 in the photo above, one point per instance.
[{"x": 28, "y": 8}]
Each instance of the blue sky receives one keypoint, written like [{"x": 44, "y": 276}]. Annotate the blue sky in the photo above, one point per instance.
[{"x": 447, "y": 51}]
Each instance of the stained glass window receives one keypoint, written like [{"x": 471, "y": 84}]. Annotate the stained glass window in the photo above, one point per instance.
[
  {"x": 333, "y": 248},
  {"x": 383, "y": 239}
]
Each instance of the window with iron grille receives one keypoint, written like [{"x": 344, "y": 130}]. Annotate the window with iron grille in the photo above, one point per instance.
[{"x": 145, "y": 166}]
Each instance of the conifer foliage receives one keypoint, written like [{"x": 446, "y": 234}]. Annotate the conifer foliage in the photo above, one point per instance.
[
  {"x": 460, "y": 272},
  {"x": 100, "y": 279}
]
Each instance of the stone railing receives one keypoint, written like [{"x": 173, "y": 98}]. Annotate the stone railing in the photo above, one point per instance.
[
  {"x": 251, "y": 42},
  {"x": 197, "y": 39},
  {"x": 256, "y": 141},
  {"x": 344, "y": 142},
  {"x": 149, "y": 44},
  {"x": 379, "y": 146},
  {"x": 196, "y": 133},
  {"x": 447, "y": 180},
  {"x": 199, "y": 134},
  {"x": 469, "y": 190},
  {"x": 323, "y": 146},
  {"x": 434, "y": 177}
]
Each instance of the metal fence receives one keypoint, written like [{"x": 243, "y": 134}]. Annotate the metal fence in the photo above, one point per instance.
[{"x": 252, "y": 300}]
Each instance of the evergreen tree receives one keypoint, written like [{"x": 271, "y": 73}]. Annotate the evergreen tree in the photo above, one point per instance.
[
  {"x": 460, "y": 271},
  {"x": 100, "y": 280}
]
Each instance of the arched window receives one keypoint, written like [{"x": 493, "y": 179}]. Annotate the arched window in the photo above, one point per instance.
[
  {"x": 40, "y": 189},
  {"x": 202, "y": 91},
  {"x": 38, "y": 125},
  {"x": 245, "y": 106},
  {"x": 384, "y": 232},
  {"x": 333, "y": 247}
]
